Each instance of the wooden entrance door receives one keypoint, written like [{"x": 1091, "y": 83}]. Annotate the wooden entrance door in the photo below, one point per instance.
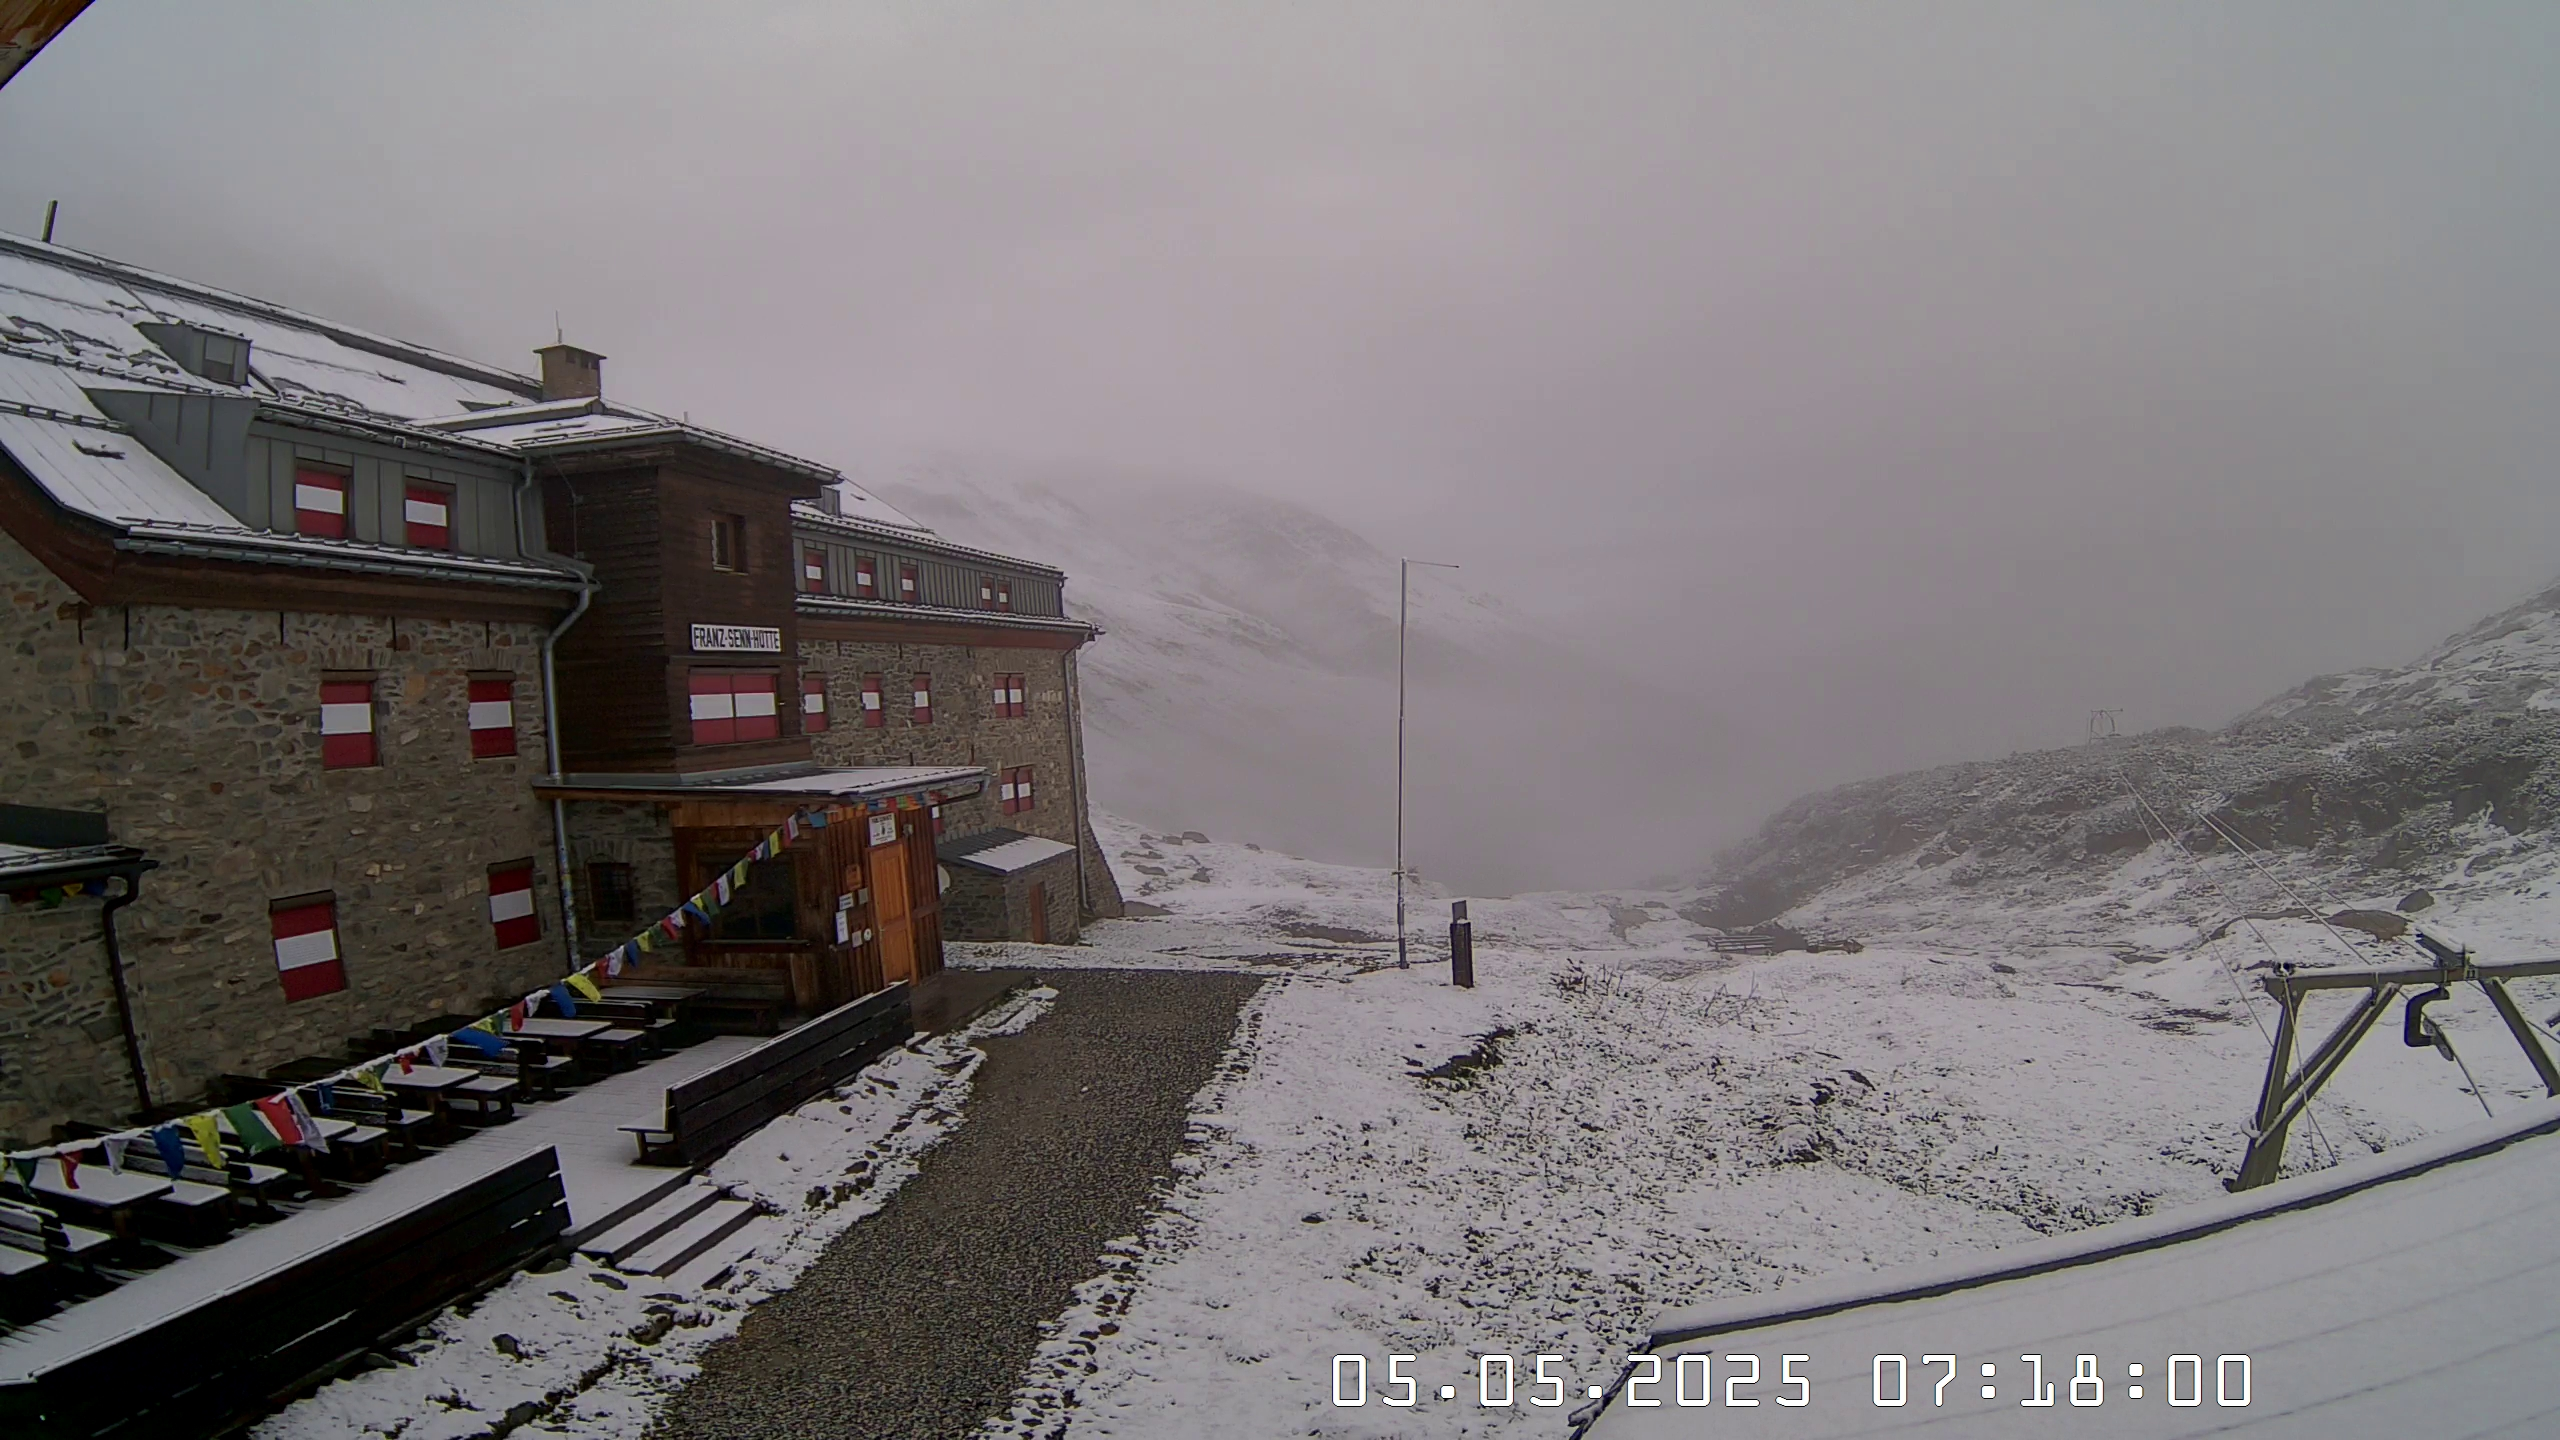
[
  {"x": 1039, "y": 914},
  {"x": 891, "y": 907}
]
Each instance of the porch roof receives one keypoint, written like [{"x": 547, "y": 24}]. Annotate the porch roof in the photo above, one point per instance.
[{"x": 863, "y": 782}]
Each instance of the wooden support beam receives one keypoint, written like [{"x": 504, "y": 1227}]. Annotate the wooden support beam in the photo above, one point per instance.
[{"x": 2525, "y": 1037}]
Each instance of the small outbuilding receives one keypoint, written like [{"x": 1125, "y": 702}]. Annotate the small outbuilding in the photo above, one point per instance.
[{"x": 1005, "y": 885}]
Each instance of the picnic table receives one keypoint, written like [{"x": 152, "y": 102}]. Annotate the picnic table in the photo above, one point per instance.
[
  {"x": 99, "y": 1190},
  {"x": 667, "y": 994},
  {"x": 565, "y": 1031}
]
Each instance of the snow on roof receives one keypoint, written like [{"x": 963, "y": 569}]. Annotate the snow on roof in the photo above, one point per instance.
[
  {"x": 852, "y": 502},
  {"x": 1003, "y": 852},
  {"x": 900, "y": 610},
  {"x": 232, "y": 541},
  {"x": 911, "y": 533},
  {"x": 88, "y": 463},
  {"x": 2407, "y": 1293}
]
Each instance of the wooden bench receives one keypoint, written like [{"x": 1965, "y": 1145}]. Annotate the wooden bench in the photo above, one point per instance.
[
  {"x": 256, "y": 1184},
  {"x": 536, "y": 1077},
  {"x": 492, "y": 1098},
  {"x": 617, "y": 1048},
  {"x": 706, "y": 1113},
  {"x": 28, "y": 1227},
  {"x": 407, "y": 1128}
]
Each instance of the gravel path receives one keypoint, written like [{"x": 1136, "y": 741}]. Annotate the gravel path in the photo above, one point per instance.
[{"x": 918, "y": 1322}]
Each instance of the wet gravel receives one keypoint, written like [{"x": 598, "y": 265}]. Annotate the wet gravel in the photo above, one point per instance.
[{"x": 919, "y": 1320}]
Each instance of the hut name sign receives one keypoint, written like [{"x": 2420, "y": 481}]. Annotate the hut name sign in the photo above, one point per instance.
[{"x": 753, "y": 639}]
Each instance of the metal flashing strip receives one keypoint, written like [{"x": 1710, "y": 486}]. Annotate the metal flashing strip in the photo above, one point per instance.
[
  {"x": 250, "y": 551},
  {"x": 939, "y": 614},
  {"x": 804, "y": 512}
]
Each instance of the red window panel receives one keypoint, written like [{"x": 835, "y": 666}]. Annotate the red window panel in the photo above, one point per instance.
[
  {"x": 1004, "y": 595},
  {"x": 1004, "y": 792},
  {"x": 1021, "y": 788},
  {"x": 986, "y": 592},
  {"x": 866, "y": 577},
  {"x": 875, "y": 711},
  {"x": 493, "y": 718},
  {"x": 934, "y": 807},
  {"x": 346, "y": 725},
  {"x": 1015, "y": 695},
  {"x": 513, "y": 920},
  {"x": 427, "y": 510},
  {"x": 714, "y": 709},
  {"x": 305, "y": 930},
  {"x": 1007, "y": 696},
  {"x": 759, "y": 714},
  {"x": 922, "y": 714},
  {"x": 908, "y": 593},
  {"x": 813, "y": 569},
  {"x": 320, "y": 502},
  {"x": 813, "y": 703}
]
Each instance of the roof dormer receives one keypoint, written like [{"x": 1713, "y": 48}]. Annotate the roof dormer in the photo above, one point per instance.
[{"x": 202, "y": 351}]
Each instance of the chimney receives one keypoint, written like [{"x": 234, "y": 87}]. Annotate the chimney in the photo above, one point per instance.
[{"x": 569, "y": 373}]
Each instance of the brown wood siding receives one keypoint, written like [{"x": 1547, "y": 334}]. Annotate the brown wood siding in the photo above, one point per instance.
[{"x": 613, "y": 673}]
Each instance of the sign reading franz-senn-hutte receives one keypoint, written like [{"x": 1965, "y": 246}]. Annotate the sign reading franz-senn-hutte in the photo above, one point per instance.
[{"x": 758, "y": 639}]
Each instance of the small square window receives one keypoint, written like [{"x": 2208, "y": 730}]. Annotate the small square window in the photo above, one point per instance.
[
  {"x": 610, "y": 895},
  {"x": 866, "y": 578},
  {"x": 320, "y": 502},
  {"x": 427, "y": 513},
  {"x": 346, "y": 725},
  {"x": 813, "y": 704},
  {"x": 909, "y": 591},
  {"x": 922, "y": 711},
  {"x": 728, "y": 542}
]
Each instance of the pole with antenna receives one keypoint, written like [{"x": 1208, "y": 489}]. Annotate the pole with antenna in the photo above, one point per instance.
[
  {"x": 51, "y": 209},
  {"x": 1404, "y": 587}
]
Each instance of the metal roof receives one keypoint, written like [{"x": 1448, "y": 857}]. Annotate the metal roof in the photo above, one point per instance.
[
  {"x": 853, "y": 783},
  {"x": 805, "y": 513},
  {"x": 2406, "y": 1293},
  {"x": 898, "y": 610},
  {"x": 1000, "y": 851}
]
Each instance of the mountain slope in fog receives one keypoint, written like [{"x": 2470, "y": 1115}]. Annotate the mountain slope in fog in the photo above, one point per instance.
[
  {"x": 2367, "y": 782},
  {"x": 1245, "y": 686}
]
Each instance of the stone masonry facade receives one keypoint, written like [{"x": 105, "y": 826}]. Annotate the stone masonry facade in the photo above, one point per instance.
[
  {"x": 965, "y": 730},
  {"x": 197, "y": 732},
  {"x": 980, "y": 906}
]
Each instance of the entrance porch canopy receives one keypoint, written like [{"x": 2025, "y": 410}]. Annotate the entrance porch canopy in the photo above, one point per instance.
[{"x": 860, "y": 783}]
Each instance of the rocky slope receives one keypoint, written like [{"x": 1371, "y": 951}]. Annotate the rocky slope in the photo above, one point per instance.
[{"x": 2371, "y": 781}]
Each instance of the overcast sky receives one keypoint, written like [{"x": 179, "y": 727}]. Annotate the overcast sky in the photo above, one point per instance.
[{"x": 1915, "y": 377}]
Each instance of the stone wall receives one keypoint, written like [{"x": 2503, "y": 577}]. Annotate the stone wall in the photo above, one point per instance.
[
  {"x": 636, "y": 835},
  {"x": 197, "y": 732},
  {"x": 980, "y": 906},
  {"x": 966, "y": 731},
  {"x": 61, "y": 1048}
]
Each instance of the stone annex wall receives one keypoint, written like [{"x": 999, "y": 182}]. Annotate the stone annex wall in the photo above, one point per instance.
[
  {"x": 636, "y": 835},
  {"x": 966, "y": 731},
  {"x": 197, "y": 732},
  {"x": 980, "y": 906}
]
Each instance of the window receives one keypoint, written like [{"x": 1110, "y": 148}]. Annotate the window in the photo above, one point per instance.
[
  {"x": 226, "y": 359},
  {"x": 813, "y": 703},
  {"x": 875, "y": 712},
  {"x": 1004, "y": 595},
  {"x": 1008, "y": 697},
  {"x": 728, "y": 542},
  {"x": 866, "y": 577},
  {"x": 305, "y": 929},
  {"x": 1014, "y": 795},
  {"x": 922, "y": 714},
  {"x": 512, "y": 918},
  {"x": 934, "y": 808},
  {"x": 813, "y": 569},
  {"x": 610, "y": 895},
  {"x": 320, "y": 502},
  {"x": 346, "y": 724},
  {"x": 908, "y": 594},
  {"x": 428, "y": 511},
  {"x": 728, "y": 708},
  {"x": 986, "y": 592},
  {"x": 493, "y": 716},
  {"x": 767, "y": 907}
]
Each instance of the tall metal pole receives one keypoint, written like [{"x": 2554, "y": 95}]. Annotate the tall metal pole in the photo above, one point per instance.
[
  {"x": 1404, "y": 587},
  {"x": 1404, "y": 584}
]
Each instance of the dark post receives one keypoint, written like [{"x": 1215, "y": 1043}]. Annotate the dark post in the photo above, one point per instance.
[{"x": 1462, "y": 947}]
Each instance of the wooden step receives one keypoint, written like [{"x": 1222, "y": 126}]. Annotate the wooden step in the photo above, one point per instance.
[
  {"x": 716, "y": 1222},
  {"x": 641, "y": 1230}
]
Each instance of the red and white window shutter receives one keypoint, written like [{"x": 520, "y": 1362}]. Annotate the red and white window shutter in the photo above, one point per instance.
[
  {"x": 728, "y": 708},
  {"x": 512, "y": 917},
  {"x": 305, "y": 929},
  {"x": 907, "y": 590},
  {"x": 428, "y": 512},
  {"x": 813, "y": 568},
  {"x": 346, "y": 725},
  {"x": 866, "y": 577},
  {"x": 493, "y": 716},
  {"x": 987, "y": 591},
  {"x": 813, "y": 703},
  {"x": 923, "y": 713},
  {"x": 1021, "y": 788},
  {"x": 320, "y": 502},
  {"x": 875, "y": 709},
  {"x": 1008, "y": 696},
  {"x": 933, "y": 806},
  {"x": 1004, "y": 594}
]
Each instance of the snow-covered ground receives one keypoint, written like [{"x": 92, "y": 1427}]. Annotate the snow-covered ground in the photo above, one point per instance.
[
  {"x": 1617, "y": 1120},
  {"x": 589, "y": 1351}
]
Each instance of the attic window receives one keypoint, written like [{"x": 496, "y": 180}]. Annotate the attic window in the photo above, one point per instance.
[{"x": 226, "y": 359}]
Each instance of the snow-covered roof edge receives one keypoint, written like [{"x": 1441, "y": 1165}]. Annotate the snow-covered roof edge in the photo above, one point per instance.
[
  {"x": 803, "y": 511},
  {"x": 125, "y": 274},
  {"x": 2104, "y": 1242},
  {"x": 900, "y": 610}
]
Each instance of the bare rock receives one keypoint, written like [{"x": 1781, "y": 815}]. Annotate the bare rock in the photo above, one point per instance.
[
  {"x": 2416, "y": 901},
  {"x": 2380, "y": 924}
]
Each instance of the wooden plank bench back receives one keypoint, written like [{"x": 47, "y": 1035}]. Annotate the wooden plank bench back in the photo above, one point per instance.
[{"x": 708, "y": 1112}]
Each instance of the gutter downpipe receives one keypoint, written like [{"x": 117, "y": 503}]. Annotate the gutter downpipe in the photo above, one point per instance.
[
  {"x": 551, "y": 744},
  {"x": 124, "y": 993}
]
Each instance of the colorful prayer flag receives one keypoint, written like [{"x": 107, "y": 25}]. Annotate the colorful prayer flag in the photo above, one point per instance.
[
  {"x": 482, "y": 1041},
  {"x": 515, "y": 1016},
  {"x": 208, "y": 1136},
  {"x": 408, "y": 1063},
  {"x": 24, "y": 1166},
  {"x": 371, "y": 1079},
  {"x": 251, "y": 1129},
  {"x": 613, "y": 962},
  {"x": 70, "y": 1169},
  {"x": 173, "y": 1150},
  {"x": 327, "y": 1091},
  {"x": 737, "y": 875},
  {"x": 721, "y": 889},
  {"x": 584, "y": 986},
  {"x": 648, "y": 940},
  {"x": 564, "y": 1002},
  {"x": 116, "y": 1145},
  {"x": 312, "y": 1139},
  {"x": 437, "y": 1048},
  {"x": 280, "y": 1118},
  {"x": 790, "y": 829}
]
